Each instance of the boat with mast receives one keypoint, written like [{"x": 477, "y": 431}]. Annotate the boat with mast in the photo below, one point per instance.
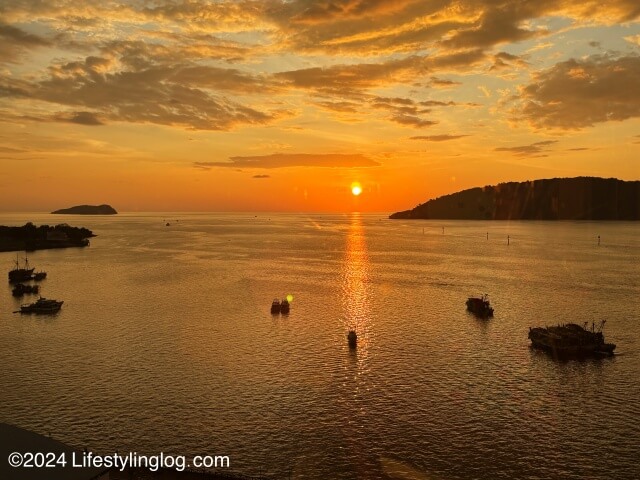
[
  {"x": 480, "y": 306},
  {"x": 572, "y": 340},
  {"x": 21, "y": 274}
]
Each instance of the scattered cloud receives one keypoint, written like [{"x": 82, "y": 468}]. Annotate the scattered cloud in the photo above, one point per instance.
[
  {"x": 580, "y": 93},
  {"x": 635, "y": 39},
  {"x": 437, "y": 138},
  {"x": 412, "y": 120},
  {"x": 80, "y": 118},
  {"x": 261, "y": 176},
  {"x": 282, "y": 160},
  {"x": 436, "y": 82},
  {"x": 168, "y": 63},
  {"x": 154, "y": 95},
  {"x": 535, "y": 149},
  {"x": 16, "y": 42},
  {"x": 503, "y": 60}
]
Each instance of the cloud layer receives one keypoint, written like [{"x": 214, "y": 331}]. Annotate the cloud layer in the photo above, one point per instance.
[
  {"x": 280, "y": 160},
  {"x": 230, "y": 64}
]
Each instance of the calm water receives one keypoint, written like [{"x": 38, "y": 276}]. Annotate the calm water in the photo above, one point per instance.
[{"x": 165, "y": 343}]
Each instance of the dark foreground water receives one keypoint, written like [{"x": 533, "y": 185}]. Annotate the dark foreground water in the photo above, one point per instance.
[{"x": 165, "y": 344}]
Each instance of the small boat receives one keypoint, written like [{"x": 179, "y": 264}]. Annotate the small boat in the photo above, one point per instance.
[
  {"x": 20, "y": 274},
  {"x": 284, "y": 306},
  {"x": 39, "y": 276},
  {"x": 480, "y": 306},
  {"x": 275, "y": 307},
  {"x": 571, "y": 340},
  {"x": 42, "y": 306},
  {"x": 352, "y": 338},
  {"x": 20, "y": 289}
]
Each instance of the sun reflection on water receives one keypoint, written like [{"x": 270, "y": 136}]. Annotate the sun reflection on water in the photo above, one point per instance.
[{"x": 356, "y": 296}]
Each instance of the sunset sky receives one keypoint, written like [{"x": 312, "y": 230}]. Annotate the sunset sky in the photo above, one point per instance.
[{"x": 278, "y": 105}]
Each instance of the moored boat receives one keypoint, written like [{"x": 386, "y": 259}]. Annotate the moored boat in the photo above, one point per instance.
[
  {"x": 39, "y": 276},
  {"x": 352, "y": 339},
  {"x": 21, "y": 274},
  {"x": 284, "y": 306},
  {"x": 42, "y": 306},
  {"x": 571, "y": 340},
  {"x": 480, "y": 306},
  {"x": 275, "y": 307},
  {"x": 20, "y": 289}
]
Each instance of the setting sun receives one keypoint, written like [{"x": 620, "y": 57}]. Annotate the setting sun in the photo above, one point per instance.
[{"x": 356, "y": 189}]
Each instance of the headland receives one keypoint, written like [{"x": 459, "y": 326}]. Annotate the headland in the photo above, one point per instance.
[{"x": 580, "y": 198}]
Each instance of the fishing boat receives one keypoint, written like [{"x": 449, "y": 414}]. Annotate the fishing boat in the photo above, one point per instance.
[
  {"x": 480, "y": 306},
  {"x": 275, "y": 307},
  {"x": 21, "y": 274},
  {"x": 571, "y": 340},
  {"x": 21, "y": 289},
  {"x": 42, "y": 306},
  {"x": 39, "y": 276},
  {"x": 352, "y": 339},
  {"x": 284, "y": 306}
]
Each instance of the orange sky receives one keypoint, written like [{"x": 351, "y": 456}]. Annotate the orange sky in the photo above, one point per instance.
[{"x": 281, "y": 105}]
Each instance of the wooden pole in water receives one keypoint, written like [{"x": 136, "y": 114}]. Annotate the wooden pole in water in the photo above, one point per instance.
[
  {"x": 598, "y": 239},
  {"x": 487, "y": 235},
  {"x": 507, "y": 239},
  {"x": 443, "y": 230}
]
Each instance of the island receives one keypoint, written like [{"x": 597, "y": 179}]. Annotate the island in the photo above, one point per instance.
[
  {"x": 30, "y": 237},
  {"x": 87, "y": 210},
  {"x": 579, "y": 198}
]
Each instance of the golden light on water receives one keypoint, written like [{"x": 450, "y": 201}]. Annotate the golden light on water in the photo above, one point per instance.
[
  {"x": 355, "y": 284},
  {"x": 289, "y": 298},
  {"x": 356, "y": 188}
]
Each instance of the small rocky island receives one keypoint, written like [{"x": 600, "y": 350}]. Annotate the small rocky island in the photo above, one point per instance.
[
  {"x": 580, "y": 198},
  {"x": 87, "y": 210},
  {"x": 30, "y": 237}
]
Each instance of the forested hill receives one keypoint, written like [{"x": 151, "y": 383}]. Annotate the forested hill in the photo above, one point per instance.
[{"x": 580, "y": 198}]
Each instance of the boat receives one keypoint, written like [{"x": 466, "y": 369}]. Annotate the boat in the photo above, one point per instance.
[
  {"x": 284, "y": 306},
  {"x": 42, "y": 305},
  {"x": 480, "y": 306},
  {"x": 571, "y": 340},
  {"x": 19, "y": 274},
  {"x": 275, "y": 307},
  {"x": 39, "y": 276},
  {"x": 20, "y": 289},
  {"x": 352, "y": 338}
]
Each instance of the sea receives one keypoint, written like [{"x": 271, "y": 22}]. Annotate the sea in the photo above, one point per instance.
[{"x": 165, "y": 343}]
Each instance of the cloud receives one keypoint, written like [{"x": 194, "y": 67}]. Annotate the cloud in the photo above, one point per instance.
[
  {"x": 504, "y": 60},
  {"x": 15, "y": 42},
  {"x": 498, "y": 23},
  {"x": 341, "y": 107},
  {"x": 442, "y": 83},
  {"x": 437, "y": 138},
  {"x": 580, "y": 93},
  {"x": 261, "y": 176},
  {"x": 527, "y": 150},
  {"x": 282, "y": 160},
  {"x": 80, "y": 118},
  {"x": 155, "y": 95},
  {"x": 412, "y": 120},
  {"x": 635, "y": 39}
]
